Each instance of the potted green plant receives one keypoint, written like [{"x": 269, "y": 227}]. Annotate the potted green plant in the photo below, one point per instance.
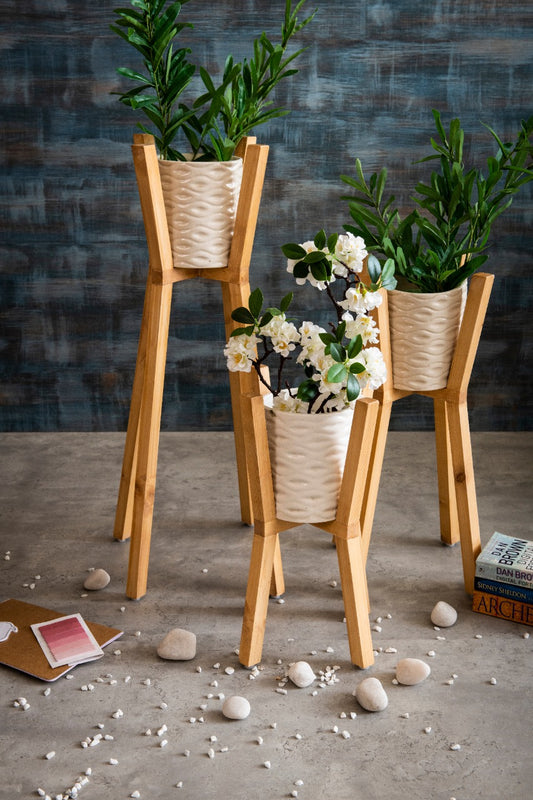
[
  {"x": 335, "y": 365},
  {"x": 197, "y": 136},
  {"x": 438, "y": 244}
]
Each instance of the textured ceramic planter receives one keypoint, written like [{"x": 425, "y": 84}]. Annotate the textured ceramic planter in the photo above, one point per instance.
[
  {"x": 424, "y": 330},
  {"x": 307, "y": 454},
  {"x": 201, "y": 200}
]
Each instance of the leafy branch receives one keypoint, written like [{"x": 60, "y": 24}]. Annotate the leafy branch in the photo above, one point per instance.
[{"x": 439, "y": 246}]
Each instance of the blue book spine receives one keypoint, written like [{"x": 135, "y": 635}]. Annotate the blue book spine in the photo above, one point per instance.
[{"x": 508, "y": 590}]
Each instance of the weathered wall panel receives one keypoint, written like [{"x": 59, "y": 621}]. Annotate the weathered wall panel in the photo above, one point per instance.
[{"x": 72, "y": 251}]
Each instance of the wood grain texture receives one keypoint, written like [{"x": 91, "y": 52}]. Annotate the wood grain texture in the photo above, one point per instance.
[{"x": 73, "y": 254}]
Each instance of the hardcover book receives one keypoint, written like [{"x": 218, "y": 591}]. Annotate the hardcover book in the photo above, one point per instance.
[
  {"x": 503, "y": 608},
  {"x": 508, "y": 590},
  {"x": 507, "y": 559}
]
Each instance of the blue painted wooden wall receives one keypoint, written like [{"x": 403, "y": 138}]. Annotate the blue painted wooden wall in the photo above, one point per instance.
[{"x": 72, "y": 251}]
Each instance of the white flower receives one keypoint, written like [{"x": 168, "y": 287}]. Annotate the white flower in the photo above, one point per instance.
[
  {"x": 240, "y": 352},
  {"x": 363, "y": 326},
  {"x": 312, "y": 345},
  {"x": 359, "y": 299},
  {"x": 284, "y": 401},
  {"x": 284, "y": 335},
  {"x": 375, "y": 373},
  {"x": 310, "y": 247},
  {"x": 351, "y": 250}
]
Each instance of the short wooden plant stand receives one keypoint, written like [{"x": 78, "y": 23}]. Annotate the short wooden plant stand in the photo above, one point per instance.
[
  {"x": 138, "y": 479},
  {"x": 455, "y": 471},
  {"x": 265, "y": 575}
]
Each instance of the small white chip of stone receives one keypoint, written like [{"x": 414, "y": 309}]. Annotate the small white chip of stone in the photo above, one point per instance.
[
  {"x": 267, "y": 764},
  {"x": 118, "y": 714},
  {"x": 163, "y": 743},
  {"x": 113, "y": 762},
  {"x": 345, "y": 734},
  {"x": 431, "y": 653},
  {"x": 493, "y": 681},
  {"x": 259, "y": 740},
  {"x": 455, "y": 746},
  {"x": 229, "y": 670},
  {"x": 50, "y": 755},
  {"x": 135, "y": 794},
  {"x": 525, "y": 635},
  {"x": 427, "y": 730},
  {"x": 478, "y": 636}
]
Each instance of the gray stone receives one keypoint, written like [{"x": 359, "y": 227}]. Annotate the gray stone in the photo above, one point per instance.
[
  {"x": 411, "y": 671},
  {"x": 178, "y": 645},
  {"x": 97, "y": 579},
  {"x": 301, "y": 674},
  {"x": 236, "y": 707},
  {"x": 443, "y": 615},
  {"x": 371, "y": 695}
]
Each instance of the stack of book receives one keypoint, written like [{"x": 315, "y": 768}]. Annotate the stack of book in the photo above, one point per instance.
[{"x": 503, "y": 582}]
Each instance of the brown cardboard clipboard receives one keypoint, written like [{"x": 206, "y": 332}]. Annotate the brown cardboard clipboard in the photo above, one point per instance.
[{"x": 22, "y": 651}]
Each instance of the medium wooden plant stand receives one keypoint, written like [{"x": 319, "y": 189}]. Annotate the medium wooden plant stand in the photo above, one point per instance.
[
  {"x": 135, "y": 504},
  {"x": 459, "y": 519},
  {"x": 265, "y": 575}
]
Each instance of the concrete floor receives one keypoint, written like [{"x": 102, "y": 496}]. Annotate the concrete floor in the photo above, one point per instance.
[{"x": 58, "y": 495}]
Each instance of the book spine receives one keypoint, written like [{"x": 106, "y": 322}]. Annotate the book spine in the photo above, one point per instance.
[
  {"x": 502, "y": 607},
  {"x": 504, "y": 590},
  {"x": 509, "y": 575}
]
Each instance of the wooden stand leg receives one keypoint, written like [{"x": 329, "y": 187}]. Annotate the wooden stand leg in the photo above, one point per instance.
[
  {"x": 449, "y": 522},
  {"x": 375, "y": 466},
  {"x": 465, "y": 490},
  {"x": 277, "y": 582},
  {"x": 126, "y": 492},
  {"x": 256, "y": 602},
  {"x": 354, "y": 593},
  {"x": 159, "y": 302}
]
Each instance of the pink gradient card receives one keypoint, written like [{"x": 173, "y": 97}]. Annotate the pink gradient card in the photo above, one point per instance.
[{"x": 67, "y": 640}]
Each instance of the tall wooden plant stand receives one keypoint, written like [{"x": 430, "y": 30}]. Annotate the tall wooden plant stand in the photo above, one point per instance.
[
  {"x": 265, "y": 575},
  {"x": 455, "y": 471},
  {"x": 135, "y": 504}
]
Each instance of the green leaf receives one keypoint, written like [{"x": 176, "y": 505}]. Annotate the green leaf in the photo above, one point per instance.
[
  {"x": 374, "y": 268},
  {"x": 355, "y": 346},
  {"x": 307, "y": 391},
  {"x": 320, "y": 240},
  {"x": 314, "y": 256},
  {"x": 266, "y": 318},
  {"x": 255, "y": 303},
  {"x": 286, "y": 301},
  {"x": 242, "y": 314},
  {"x": 337, "y": 373},
  {"x": 301, "y": 270},
  {"x": 332, "y": 242},
  {"x": 319, "y": 271},
  {"x": 326, "y": 338},
  {"x": 240, "y": 331},
  {"x": 293, "y": 251},
  {"x": 340, "y": 331},
  {"x": 357, "y": 368},
  {"x": 352, "y": 388},
  {"x": 337, "y": 352}
]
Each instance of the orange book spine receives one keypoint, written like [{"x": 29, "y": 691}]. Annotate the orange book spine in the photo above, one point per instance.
[{"x": 503, "y": 608}]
